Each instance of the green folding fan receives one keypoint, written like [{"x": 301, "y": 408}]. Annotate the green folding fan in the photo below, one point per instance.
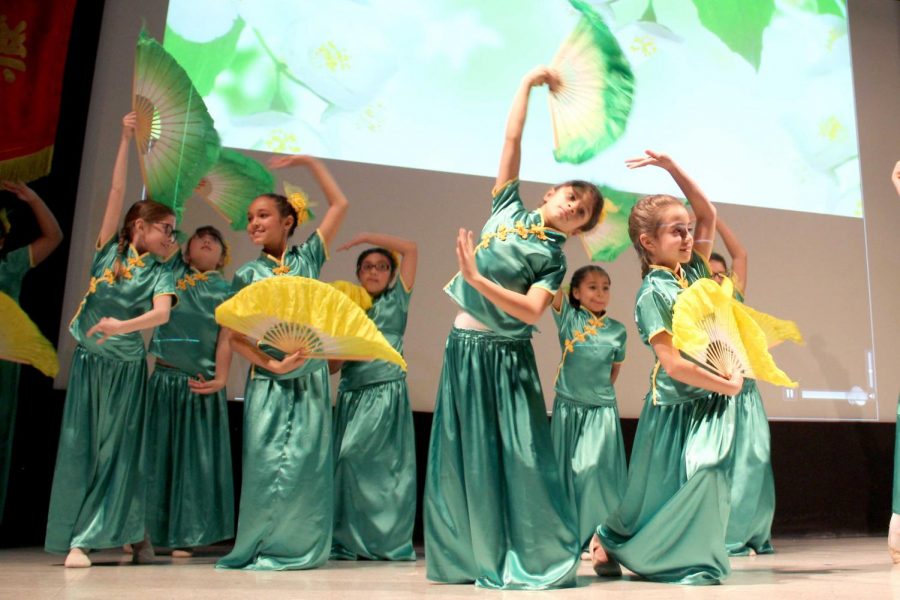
[
  {"x": 232, "y": 184},
  {"x": 175, "y": 135},
  {"x": 609, "y": 238},
  {"x": 590, "y": 106}
]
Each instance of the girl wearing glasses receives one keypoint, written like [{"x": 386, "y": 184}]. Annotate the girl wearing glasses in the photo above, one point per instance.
[
  {"x": 753, "y": 483},
  {"x": 287, "y": 494},
  {"x": 14, "y": 264},
  {"x": 374, "y": 443},
  {"x": 98, "y": 492},
  {"x": 191, "y": 495},
  {"x": 670, "y": 525}
]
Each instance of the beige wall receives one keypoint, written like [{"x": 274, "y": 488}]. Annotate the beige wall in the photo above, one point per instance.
[{"x": 807, "y": 267}]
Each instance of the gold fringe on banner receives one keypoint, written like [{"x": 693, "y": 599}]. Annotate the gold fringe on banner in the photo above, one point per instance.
[{"x": 27, "y": 168}]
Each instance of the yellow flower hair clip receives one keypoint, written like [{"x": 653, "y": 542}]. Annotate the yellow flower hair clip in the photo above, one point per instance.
[
  {"x": 226, "y": 254},
  {"x": 300, "y": 201},
  {"x": 4, "y": 222}
]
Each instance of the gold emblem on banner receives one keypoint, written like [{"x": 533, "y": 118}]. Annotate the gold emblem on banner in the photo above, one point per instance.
[{"x": 12, "y": 45}]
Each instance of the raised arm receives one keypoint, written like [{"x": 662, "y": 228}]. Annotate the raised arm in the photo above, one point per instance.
[
  {"x": 527, "y": 307},
  {"x": 116, "y": 198},
  {"x": 690, "y": 373},
  {"x": 511, "y": 157},
  {"x": 738, "y": 255},
  {"x": 407, "y": 249},
  {"x": 337, "y": 202},
  {"x": 704, "y": 211},
  {"x": 51, "y": 234}
]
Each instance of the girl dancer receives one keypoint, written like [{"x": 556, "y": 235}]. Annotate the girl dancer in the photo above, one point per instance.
[
  {"x": 496, "y": 512},
  {"x": 190, "y": 491},
  {"x": 98, "y": 492},
  {"x": 287, "y": 493},
  {"x": 13, "y": 266},
  {"x": 753, "y": 484},
  {"x": 585, "y": 428},
  {"x": 894, "y": 530},
  {"x": 374, "y": 442},
  {"x": 670, "y": 525}
]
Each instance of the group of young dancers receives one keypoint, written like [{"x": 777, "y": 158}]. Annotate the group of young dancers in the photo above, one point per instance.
[{"x": 511, "y": 501}]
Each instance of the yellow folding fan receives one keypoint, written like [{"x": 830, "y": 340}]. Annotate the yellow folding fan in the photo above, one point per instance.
[
  {"x": 296, "y": 313},
  {"x": 22, "y": 342},
  {"x": 355, "y": 292},
  {"x": 709, "y": 327}
]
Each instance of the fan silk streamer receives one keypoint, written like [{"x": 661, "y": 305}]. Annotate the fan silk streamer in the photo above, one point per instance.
[
  {"x": 589, "y": 109},
  {"x": 21, "y": 341},
  {"x": 711, "y": 327},
  {"x": 34, "y": 39},
  {"x": 175, "y": 135},
  {"x": 296, "y": 313},
  {"x": 232, "y": 184}
]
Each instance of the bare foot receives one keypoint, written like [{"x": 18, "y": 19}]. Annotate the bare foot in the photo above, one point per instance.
[
  {"x": 143, "y": 552},
  {"x": 603, "y": 565},
  {"x": 182, "y": 553},
  {"x": 77, "y": 559},
  {"x": 894, "y": 538},
  {"x": 585, "y": 556},
  {"x": 127, "y": 549}
]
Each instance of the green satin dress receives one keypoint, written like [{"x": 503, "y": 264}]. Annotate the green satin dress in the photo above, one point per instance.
[
  {"x": 496, "y": 510},
  {"x": 13, "y": 267},
  {"x": 375, "y": 448},
  {"x": 670, "y": 526},
  {"x": 753, "y": 483},
  {"x": 190, "y": 493},
  {"x": 587, "y": 435},
  {"x": 895, "y": 498},
  {"x": 99, "y": 485},
  {"x": 287, "y": 492}
]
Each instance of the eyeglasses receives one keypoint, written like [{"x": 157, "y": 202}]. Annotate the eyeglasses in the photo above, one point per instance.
[
  {"x": 167, "y": 230},
  {"x": 380, "y": 267},
  {"x": 720, "y": 275},
  {"x": 683, "y": 230}
]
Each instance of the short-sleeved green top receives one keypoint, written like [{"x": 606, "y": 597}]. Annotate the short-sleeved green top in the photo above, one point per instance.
[
  {"x": 143, "y": 278},
  {"x": 305, "y": 260},
  {"x": 653, "y": 314},
  {"x": 518, "y": 252},
  {"x": 590, "y": 344},
  {"x": 389, "y": 312},
  {"x": 13, "y": 267},
  {"x": 188, "y": 340}
]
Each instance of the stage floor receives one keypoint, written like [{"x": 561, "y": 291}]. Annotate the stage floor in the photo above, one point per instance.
[{"x": 800, "y": 569}]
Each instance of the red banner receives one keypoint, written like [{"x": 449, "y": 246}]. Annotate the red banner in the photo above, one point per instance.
[{"x": 34, "y": 39}]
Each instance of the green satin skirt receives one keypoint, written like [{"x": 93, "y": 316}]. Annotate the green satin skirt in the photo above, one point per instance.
[
  {"x": 753, "y": 484},
  {"x": 190, "y": 494},
  {"x": 496, "y": 511},
  {"x": 98, "y": 495},
  {"x": 9, "y": 398},
  {"x": 895, "y": 500},
  {"x": 670, "y": 526},
  {"x": 287, "y": 494},
  {"x": 374, "y": 474},
  {"x": 591, "y": 454}
]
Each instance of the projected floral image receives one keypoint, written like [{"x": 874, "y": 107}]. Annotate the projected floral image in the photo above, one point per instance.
[{"x": 755, "y": 97}]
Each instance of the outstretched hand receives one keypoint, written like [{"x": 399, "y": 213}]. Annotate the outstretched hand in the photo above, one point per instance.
[
  {"x": 282, "y": 162},
  {"x": 651, "y": 158},
  {"x": 22, "y": 191},
  {"x": 541, "y": 75},
  {"x": 465, "y": 254}
]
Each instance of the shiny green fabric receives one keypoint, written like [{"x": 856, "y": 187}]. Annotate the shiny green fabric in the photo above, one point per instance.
[
  {"x": 13, "y": 267},
  {"x": 125, "y": 298},
  {"x": 513, "y": 255},
  {"x": 190, "y": 493},
  {"x": 188, "y": 340},
  {"x": 389, "y": 313},
  {"x": 375, "y": 448},
  {"x": 286, "y": 507},
  {"x": 374, "y": 473},
  {"x": 753, "y": 483},
  {"x": 591, "y": 452},
  {"x": 895, "y": 499},
  {"x": 98, "y": 495},
  {"x": 671, "y": 524},
  {"x": 584, "y": 372},
  {"x": 496, "y": 511},
  {"x": 286, "y": 515}
]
